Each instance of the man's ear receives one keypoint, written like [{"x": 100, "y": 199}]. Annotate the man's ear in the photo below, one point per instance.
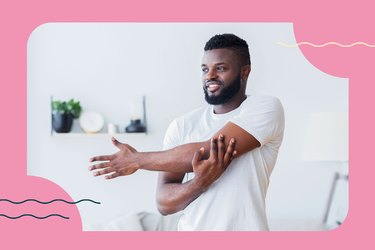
[{"x": 245, "y": 71}]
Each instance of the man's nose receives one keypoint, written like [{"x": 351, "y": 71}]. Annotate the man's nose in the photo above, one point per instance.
[{"x": 211, "y": 74}]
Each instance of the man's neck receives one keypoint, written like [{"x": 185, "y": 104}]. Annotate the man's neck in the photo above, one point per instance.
[{"x": 229, "y": 106}]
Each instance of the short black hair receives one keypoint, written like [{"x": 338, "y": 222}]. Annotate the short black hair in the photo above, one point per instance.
[{"x": 233, "y": 42}]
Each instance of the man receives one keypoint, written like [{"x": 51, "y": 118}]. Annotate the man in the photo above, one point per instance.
[{"x": 249, "y": 128}]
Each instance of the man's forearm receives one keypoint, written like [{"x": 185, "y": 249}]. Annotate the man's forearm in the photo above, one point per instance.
[
  {"x": 175, "y": 160},
  {"x": 174, "y": 197}
]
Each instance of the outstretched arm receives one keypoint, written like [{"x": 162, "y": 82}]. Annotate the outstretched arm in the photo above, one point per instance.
[
  {"x": 173, "y": 196},
  {"x": 176, "y": 160}
]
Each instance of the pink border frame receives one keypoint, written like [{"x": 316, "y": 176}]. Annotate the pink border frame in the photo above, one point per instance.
[{"x": 314, "y": 21}]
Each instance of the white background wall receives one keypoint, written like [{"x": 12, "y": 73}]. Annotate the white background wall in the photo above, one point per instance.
[{"x": 107, "y": 65}]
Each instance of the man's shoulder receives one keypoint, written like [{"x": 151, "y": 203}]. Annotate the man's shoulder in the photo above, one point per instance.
[
  {"x": 183, "y": 123},
  {"x": 262, "y": 98},
  {"x": 259, "y": 101}
]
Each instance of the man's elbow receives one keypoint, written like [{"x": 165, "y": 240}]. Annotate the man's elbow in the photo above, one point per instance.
[
  {"x": 163, "y": 211},
  {"x": 166, "y": 207}
]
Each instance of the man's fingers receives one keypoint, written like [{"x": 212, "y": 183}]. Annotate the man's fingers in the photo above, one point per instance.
[
  {"x": 100, "y": 166},
  {"x": 213, "y": 150},
  {"x": 130, "y": 147},
  {"x": 221, "y": 147},
  {"x": 233, "y": 155},
  {"x": 230, "y": 152},
  {"x": 116, "y": 143},
  {"x": 101, "y": 158},
  {"x": 120, "y": 145},
  {"x": 197, "y": 156},
  {"x": 103, "y": 171},
  {"x": 111, "y": 176}
]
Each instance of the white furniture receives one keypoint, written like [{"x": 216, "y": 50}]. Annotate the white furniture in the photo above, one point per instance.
[{"x": 327, "y": 141}]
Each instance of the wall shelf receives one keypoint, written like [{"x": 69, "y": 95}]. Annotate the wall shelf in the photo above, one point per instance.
[
  {"x": 77, "y": 132},
  {"x": 96, "y": 135}
]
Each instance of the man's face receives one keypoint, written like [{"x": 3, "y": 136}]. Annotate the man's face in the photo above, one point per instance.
[{"x": 221, "y": 76}]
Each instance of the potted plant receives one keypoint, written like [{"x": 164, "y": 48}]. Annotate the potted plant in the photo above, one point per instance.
[{"x": 63, "y": 114}]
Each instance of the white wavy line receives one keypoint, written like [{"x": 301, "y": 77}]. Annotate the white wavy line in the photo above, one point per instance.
[{"x": 323, "y": 45}]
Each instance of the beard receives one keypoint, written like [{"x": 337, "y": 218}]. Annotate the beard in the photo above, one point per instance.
[{"x": 226, "y": 94}]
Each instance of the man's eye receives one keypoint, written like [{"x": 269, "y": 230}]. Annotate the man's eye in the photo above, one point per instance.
[
  {"x": 220, "y": 68},
  {"x": 205, "y": 70}
]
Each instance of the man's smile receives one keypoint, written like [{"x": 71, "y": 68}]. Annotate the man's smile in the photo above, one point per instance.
[{"x": 213, "y": 86}]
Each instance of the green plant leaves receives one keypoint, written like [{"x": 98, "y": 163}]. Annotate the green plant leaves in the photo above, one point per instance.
[{"x": 73, "y": 107}]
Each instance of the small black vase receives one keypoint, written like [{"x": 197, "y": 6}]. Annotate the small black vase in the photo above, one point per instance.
[
  {"x": 62, "y": 122},
  {"x": 135, "y": 127}
]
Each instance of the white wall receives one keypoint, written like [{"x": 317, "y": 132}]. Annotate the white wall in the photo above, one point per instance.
[{"x": 106, "y": 65}]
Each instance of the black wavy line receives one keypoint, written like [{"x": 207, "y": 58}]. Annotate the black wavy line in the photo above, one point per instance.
[
  {"x": 36, "y": 217},
  {"x": 48, "y": 202}
]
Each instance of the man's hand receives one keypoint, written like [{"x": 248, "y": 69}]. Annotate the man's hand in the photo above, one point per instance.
[
  {"x": 119, "y": 164},
  {"x": 172, "y": 195},
  {"x": 208, "y": 171}
]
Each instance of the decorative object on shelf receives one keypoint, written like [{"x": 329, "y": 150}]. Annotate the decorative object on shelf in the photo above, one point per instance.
[
  {"x": 91, "y": 122},
  {"x": 327, "y": 141},
  {"x": 63, "y": 114},
  {"x": 112, "y": 128},
  {"x": 135, "y": 126},
  {"x": 136, "y": 110}
]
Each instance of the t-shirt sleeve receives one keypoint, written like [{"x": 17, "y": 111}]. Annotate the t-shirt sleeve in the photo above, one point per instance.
[
  {"x": 171, "y": 138},
  {"x": 262, "y": 118}
]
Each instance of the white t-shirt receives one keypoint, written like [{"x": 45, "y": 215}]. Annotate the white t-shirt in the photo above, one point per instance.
[{"x": 236, "y": 201}]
